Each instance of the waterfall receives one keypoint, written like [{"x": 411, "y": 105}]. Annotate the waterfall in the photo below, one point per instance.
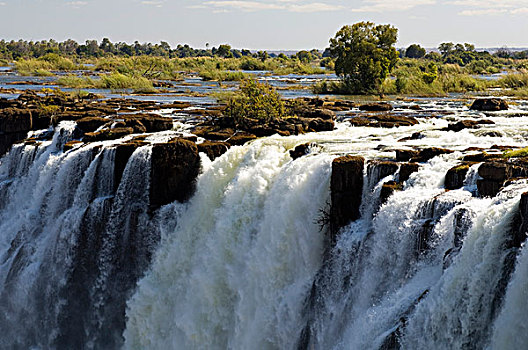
[
  {"x": 249, "y": 262},
  {"x": 66, "y": 265},
  {"x": 241, "y": 260}
]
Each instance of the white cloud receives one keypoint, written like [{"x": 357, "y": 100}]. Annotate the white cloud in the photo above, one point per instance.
[
  {"x": 303, "y": 6},
  {"x": 157, "y": 3},
  {"x": 491, "y": 7},
  {"x": 314, "y": 7},
  {"x": 76, "y": 4},
  {"x": 482, "y": 12},
  {"x": 395, "y": 5},
  {"x": 243, "y": 5},
  {"x": 2, "y": 4}
]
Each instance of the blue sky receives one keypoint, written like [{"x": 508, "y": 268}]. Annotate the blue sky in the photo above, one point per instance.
[{"x": 265, "y": 24}]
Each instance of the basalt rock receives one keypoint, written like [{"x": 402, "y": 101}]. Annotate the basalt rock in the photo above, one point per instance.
[
  {"x": 318, "y": 113},
  {"x": 175, "y": 166},
  {"x": 152, "y": 122},
  {"x": 213, "y": 149},
  {"x": 455, "y": 176},
  {"x": 376, "y": 107},
  {"x": 388, "y": 188},
  {"x": 406, "y": 169},
  {"x": 90, "y": 124},
  {"x": 107, "y": 134},
  {"x": 300, "y": 150},
  {"x": 468, "y": 124},
  {"x": 377, "y": 169},
  {"x": 15, "y": 123},
  {"x": 15, "y": 120},
  {"x": 346, "y": 187},
  {"x": 383, "y": 121},
  {"x": 240, "y": 138},
  {"x": 319, "y": 124},
  {"x": 404, "y": 155},
  {"x": 429, "y": 153},
  {"x": 493, "y": 175},
  {"x": 489, "y": 104},
  {"x": 71, "y": 145},
  {"x": 521, "y": 234}
]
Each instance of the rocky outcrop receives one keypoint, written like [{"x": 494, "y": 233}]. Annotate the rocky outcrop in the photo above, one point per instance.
[
  {"x": 428, "y": 153},
  {"x": 175, "y": 166},
  {"x": 15, "y": 123},
  {"x": 376, "y": 107},
  {"x": 489, "y": 104},
  {"x": 107, "y": 134},
  {"x": 378, "y": 169},
  {"x": 382, "y": 120},
  {"x": 213, "y": 149},
  {"x": 346, "y": 187},
  {"x": 151, "y": 122},
  {"x": 404, "y": 155},
  {"x": 455, "y": 176},
  {"x": 90, "y": 124},
  {"x": 468, "y": 124},
  {"x": 388, "y": 188},
  {"x": 123, "y": 153},
  {"x": 300, "y": 150},
  {"x": 495, "y": 173},
  {"x": 406, "y": 169}
]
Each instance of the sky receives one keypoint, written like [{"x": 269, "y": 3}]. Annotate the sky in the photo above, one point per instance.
[{"x": 265, "y": 24}]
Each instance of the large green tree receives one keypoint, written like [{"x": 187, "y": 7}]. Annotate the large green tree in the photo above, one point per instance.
[
  {"x": 415, "y": 51},
  {"x": 365, "y": 55}
]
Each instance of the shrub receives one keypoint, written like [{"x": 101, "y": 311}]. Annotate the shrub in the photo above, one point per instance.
[{"x": 255, "y": 102}]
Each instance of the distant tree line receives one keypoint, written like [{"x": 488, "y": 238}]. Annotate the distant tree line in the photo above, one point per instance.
[
  {"x": 461, "y": 54},
  {"x": 93, "y": 49}
]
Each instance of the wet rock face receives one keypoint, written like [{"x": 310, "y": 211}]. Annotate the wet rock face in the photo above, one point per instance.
[
  {"x": 520, "y": 235},
  {"x": 346, "y": 190},
  {"x": 15, "y": 123},
  {"x": 455, "y": 176},
  {"x": 107, "y": 134},
  {"x": 90, "y": 124},
  {"x": 383, "y": 121},
  {"x": 300, "y": 150},
  {"x": 175, "y": 166},
  {"x": 489, "y": 104},
  {"x": 406, "y": 169},
  {"x": 213, "y": 149},
  {"x": 493, "y": 175},
  {"x": 152, "y": 122},
  {"x": 468, "y": 124},
  {"x": 377, "y": 169},
  {"x": 388, "y": 188},
  {"x": 376, "y": 107}
]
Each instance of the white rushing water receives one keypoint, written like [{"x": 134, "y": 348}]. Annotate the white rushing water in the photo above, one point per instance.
[
  {"x": 247, "y": 262},
  {"x": 242, "y": 267},
  {"x": 242, "y": 262}
]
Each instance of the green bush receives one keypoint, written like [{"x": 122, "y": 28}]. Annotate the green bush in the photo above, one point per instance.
[{"x": 255, "y": 102}]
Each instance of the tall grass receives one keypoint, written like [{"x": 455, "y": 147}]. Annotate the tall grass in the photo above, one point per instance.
[
  {"x": 514, "y": 81},
  {"x": 45, "y": 63},
  {"x": 114, "y": 81},
  {"x": 222, "y": 75}
]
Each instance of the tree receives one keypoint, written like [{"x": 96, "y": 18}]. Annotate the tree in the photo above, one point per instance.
[
  {"x": 255, "y": 102},
  {"x": 304, "y": 56},
  {"x": 365, "y": 55},
  {"x": 446, "y": 48},
  {"x": 224, "y": 50},
  {"x": 415, "y": 51}
]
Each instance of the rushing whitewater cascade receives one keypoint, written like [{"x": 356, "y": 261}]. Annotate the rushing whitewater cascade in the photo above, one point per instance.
[
  {"x": 73, "y": 243},
  {"x": 251, "y": 261}
]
